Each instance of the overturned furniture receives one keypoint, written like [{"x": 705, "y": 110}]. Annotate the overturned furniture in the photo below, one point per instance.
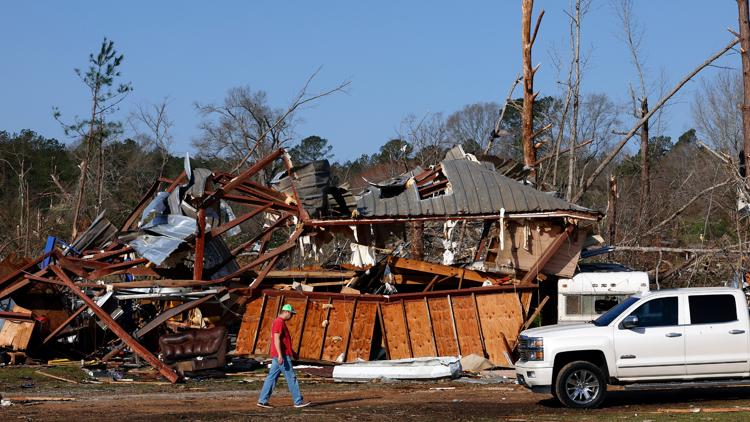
[{"x": 195, "y": 350}]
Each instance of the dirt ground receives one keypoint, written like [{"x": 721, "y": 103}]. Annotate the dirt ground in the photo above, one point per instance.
[{"x": 233, "y": 398}]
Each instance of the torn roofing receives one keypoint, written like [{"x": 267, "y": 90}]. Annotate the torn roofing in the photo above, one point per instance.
[{"x": 475, "y": 189}]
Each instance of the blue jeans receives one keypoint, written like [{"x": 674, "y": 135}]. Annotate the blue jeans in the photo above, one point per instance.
[{"x": 273, "y": 375}]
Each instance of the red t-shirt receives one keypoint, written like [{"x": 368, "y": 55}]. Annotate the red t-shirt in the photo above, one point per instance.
[{"x": 279, "y": 326}]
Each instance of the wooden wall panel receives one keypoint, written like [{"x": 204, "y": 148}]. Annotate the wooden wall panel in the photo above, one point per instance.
[
  {"x": 263, "y": 345},
  {"x": 339, "y": 322},
  {"x": 526, "y": 303},
  {"x": 395, "y": 330},
  {"x": 442, "y": 324},
  {"x": 562, "y": 264},
  {"x": 469, "y": 337},
  {"x": 249, "y": 326},
  {"x": 295, "y": 324},
  {"x": 312, "y": 336},
  {"x": 360, "y": 343},
  {"x": 501, "y": 318},
  {"x": 420, "y": 328}
]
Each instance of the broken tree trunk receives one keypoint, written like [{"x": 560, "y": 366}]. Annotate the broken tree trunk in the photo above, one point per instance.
[
  {"x": 645, "y": 178},
  {"x": 744, "y": 21},
  {"x": 527, "y": 42}
]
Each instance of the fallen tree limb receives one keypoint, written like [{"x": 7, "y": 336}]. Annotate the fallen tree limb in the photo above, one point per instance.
[
  {"x": 687, "y": 204},
  {"x": 644, "y": 119}
]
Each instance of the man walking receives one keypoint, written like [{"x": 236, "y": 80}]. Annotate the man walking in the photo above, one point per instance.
[{"x": 281, "y": 353}]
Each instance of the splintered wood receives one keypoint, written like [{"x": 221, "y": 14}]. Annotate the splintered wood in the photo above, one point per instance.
[{"x": 343, "y": 328}]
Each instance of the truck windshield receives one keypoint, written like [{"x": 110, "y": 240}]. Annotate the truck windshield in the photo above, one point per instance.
[{"x": 608, "y": 317}]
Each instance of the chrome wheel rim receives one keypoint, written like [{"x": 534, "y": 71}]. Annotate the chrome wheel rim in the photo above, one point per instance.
[{"x": 582, "y": 386}]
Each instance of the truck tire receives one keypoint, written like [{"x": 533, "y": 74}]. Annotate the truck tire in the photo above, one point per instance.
[{"x": 580, "y": 385}]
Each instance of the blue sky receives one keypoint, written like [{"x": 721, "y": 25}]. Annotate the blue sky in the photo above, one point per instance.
[{"x": 401, "y": 57}]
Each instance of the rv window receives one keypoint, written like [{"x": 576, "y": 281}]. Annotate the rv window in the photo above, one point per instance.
[{"x": 591, "y": 304}]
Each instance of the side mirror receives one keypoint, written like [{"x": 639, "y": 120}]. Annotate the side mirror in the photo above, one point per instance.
[{"x": 630, "y": 321}]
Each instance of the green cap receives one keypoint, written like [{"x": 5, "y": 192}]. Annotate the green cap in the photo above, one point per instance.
[{"x": 289, "y": 308}]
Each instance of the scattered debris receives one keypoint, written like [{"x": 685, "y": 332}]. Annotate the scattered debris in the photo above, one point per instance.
[{"x": 402, "y": 369}]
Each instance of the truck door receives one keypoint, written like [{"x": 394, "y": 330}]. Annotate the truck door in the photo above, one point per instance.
[
  {"x": 716, "y": 341},
  {"x": 656, "y": 347}
]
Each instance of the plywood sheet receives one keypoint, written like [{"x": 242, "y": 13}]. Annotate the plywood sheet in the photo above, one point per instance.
[
  {"x": 526, "y": 302},
  {"x": 469, "y": 337},
  {"x": 249, "y": 326},
  {"x": 16, "y": 334},
  {"x": 263, "y": 345},
  {"x": 360, "y": 343},
  {"x": 395, "y": 330},
  {"x": 501, "y": 318},
  {"x": 311, "y": 342},
  {"x": 524, "y": 247},
  {"x": 420, "y": 328},
  {"x": 294, "y": 325},
  {"x": 339, "y": 322},
  {"x": 442, "y": 324}
]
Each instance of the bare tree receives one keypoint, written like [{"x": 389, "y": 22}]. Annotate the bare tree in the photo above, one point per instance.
[
  {"x": 152, "y": 129},
  {"x": 428, "y": 136},
  {"x": 715, "y": 112}
]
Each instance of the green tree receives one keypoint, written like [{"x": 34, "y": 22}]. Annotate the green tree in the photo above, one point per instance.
[
  {"x": 104, "y": 68},
  {"x": 312, "y": 148}
]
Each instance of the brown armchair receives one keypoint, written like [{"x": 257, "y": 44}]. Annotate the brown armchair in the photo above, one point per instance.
[{"x": 195, "y": 350}]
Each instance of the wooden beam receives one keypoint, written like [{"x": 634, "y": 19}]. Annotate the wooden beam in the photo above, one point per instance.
[
  {"x": 200, "y": 243},
  {"x": 218, "y": 231},
  {"x": 141, "y": 351},
  {"x": 548, "y": 254},
  {"x": 349, "y": 335},
  {"x": 444, "y": 270},
  {"x": 533, "y": 316}
]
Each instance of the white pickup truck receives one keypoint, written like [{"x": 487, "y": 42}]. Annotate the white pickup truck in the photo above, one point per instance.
[{"x": 665, "y": 337}]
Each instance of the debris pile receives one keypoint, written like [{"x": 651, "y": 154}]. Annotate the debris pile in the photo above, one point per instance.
[{"x": 437, "y": 262}]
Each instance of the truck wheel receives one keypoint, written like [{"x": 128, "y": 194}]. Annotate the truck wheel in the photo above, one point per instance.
[{"x": 580, "y": 385}]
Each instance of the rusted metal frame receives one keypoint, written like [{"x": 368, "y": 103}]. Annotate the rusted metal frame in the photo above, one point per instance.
[
  {"x": 432, "y": 328},
  {"x": 435, "y": 281},
  {"x": 166, "y": 371},
  {"x": 110, "y": 254},
  {"x": 137, "y": 272},
  {"x": 23, "y": 269},
  {"x": 292, "y": 242},
  {"x": 218, "y": 231},
  {"x": 468, "y": 217},
  {"x": 303, "y": 216},
  {"x": 32, "y": 277},
  {"x": 433, "y": 187},
  {"x": 406, "y": 327},
  {"x": 325, "y": 329},
  {"x": 158, "y": 320},
  {"x": 62, "y": 326},
  {"x": 109, "y": 269},
  {"x": 72, "y": 267},
  {"x": 260, "y": 320},
  {"x": 479, "y": 323},
  {"x": 88, "y": 263},
  {"x": 176, "y": 182},
  {"x": 236, "y": 181},
  {"x": 391, "y": 298},
  {"x": 262, "y": 275},
  {"x": 257, "y": 237},
  {"x": 382, "y": 331},
  {"x": 302, "y": 324},
  {"x": 454, "y": 326},
  {"x": 259, "y": 202},
  {"x": 427, "y": 173},
  {"x": 136, "y": 212},
  {"x": 249, "y": 188},
  {"x": 548, "y": 254},
  {"x": 162, "y": 283},
  {"x": 461, "y": 280},
  {"x": 200, "y": 242},
  {"x": 18, "y": 316},
  {"x": 349, "y": 334}
]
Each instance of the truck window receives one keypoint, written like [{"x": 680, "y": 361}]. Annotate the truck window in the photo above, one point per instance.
[
  {"x": 657, "y": 313},
  {"x": 710, "y": 309}
]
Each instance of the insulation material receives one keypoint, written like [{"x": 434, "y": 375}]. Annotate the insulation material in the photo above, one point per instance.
[
  {"x": 362, "y": 255},
  {"x": 403, "y": 369}
]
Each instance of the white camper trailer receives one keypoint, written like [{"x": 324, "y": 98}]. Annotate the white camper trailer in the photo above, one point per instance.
[{"x": 590, "y": 294}]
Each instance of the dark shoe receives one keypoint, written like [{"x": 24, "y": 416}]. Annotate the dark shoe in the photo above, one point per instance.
[
  {"x": 304, "y": 404},
  {"x": 264, "y": 405}
]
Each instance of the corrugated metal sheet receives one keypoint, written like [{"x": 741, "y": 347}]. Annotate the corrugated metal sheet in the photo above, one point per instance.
[{"x": 476, "y": 188}]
